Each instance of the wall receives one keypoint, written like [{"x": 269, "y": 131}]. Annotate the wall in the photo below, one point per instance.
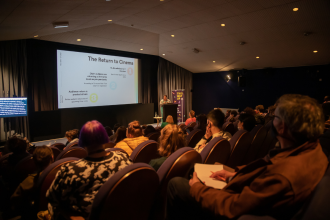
[{"x": 263, "y": 87}]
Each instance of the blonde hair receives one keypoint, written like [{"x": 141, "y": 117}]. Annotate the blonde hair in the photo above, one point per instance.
[
  {"x": 169, "y": 119},
  {"x": 134, "y": 129},
  {"x": 72, "y": 134},
  {"x": 302, "y": 115},
  {"x": 170, "y": 140}
]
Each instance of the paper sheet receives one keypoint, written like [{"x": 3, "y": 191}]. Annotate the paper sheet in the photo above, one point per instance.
[{"x": 204, "y": 171}]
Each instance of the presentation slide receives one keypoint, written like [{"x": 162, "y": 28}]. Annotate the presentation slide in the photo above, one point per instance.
[
  {"x": 13, "y": 107},
  {"x": 86, "y": 79}
]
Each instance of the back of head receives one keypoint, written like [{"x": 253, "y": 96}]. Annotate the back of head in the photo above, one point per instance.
[
  {"x": 216, "y": 117},
  {"x": 93, "y": 134},
  {"x": 249, "y": 110},
  {"x": 170, "y": 140},
  {"x": 134, "y": 129},
  {"x": 115, "y": 127},
  {"x": 43, "y": 156},
  {"x": 149, "y": 129},
  {"x": 192, "y": 113},
  {"x": 202, "y": 121},
  {"x": 260, "y": 108},
  {"x": 120, "y": 134},
  {"x": 271, "y": 109},
  {"x": 327, "y": 98},
  {"x": 249, "y": 121},
  {"x": 234, "y": 113},
  {"x": 108, "y": 130},
  {"x": 302, "y": 115},
  {"x": 169, "y": 119},
  {"x": 16, "y": 145},
  {"x": 72, "y": 134}
]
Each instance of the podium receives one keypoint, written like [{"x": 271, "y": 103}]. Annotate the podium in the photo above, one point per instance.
[{"x": 170, "y": 109}]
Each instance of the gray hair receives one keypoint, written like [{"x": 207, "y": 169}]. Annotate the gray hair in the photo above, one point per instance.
[{"x": 302, "y": 115}]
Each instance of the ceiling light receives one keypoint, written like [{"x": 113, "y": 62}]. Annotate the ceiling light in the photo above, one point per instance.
[
  {"x": 78, "y": 39},
  {"x": 315, "y": 51},
  {"x": 163, "y": 54},
  {"x": 257, "y": 57},
  {"x": 223, "y": 25},
  {"x": 109, "y": 20},
  {"x": 172, "y": 35},
  {"x": 141, "y": 49},
  {"x": 61, "y": 24},
  {"x": 161, "y": 0},
  {"x": 228, "y": 76},
  {"x": 295, "y": 9},
  {"x": 36, "y": 36},
  {"x": 213, "y": 61}
]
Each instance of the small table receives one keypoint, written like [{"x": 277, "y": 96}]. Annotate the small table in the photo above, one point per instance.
[{"x": 158, "y": 118}]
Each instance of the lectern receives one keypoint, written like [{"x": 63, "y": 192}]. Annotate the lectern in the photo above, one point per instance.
[{"x": 170, "y": 109}]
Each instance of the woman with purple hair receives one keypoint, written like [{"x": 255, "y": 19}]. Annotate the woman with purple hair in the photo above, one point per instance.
[{"x": 75, "y": 185}]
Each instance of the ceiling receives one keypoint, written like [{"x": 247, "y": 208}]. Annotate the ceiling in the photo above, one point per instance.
[{"x": 271, "y": 29}]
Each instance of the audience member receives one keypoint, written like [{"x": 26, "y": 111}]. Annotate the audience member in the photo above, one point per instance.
[
  {"x": 191, "y": 118},
  {"x": 246, "y": 122},
  {"x": 109, "y": 131},
  {"x": 23, "y": 198},
  {"x": 73, "y": 191},
  {"x": 72, "y": 136},
  {"x": 270, "y": 115},
  {"x": 260, "y": 109},
  {"x": 259, "y": 118},
  {"x": 215, "y": 120},
  {"x": 326, "y": 108},
  {"x": 276, "y": 185},
  {"x": 201, "y": 122},
  {"x": 171, "y": 139},
  {"x": 232, "y": 116},
  {"x": 134, "y": 138},
  {"x": 149, "y": 129},
  {"x": 169, "y": 120},
  {"x": 249, "y": 110},
  {"x": 227, "y": 113},
  {"x": 120, "y": 134},
  {"x": 113, "y": 137}
]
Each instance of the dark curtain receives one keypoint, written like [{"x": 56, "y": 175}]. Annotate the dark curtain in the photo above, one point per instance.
[
  {"x": 172, "y": 77},
  {"x": 13, "y": 70}
]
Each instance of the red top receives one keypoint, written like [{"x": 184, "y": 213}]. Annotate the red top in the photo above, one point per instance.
[{"x": 189, "y": 120}]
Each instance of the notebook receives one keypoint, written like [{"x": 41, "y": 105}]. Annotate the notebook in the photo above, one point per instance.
[{"x": 205, "y": 170}]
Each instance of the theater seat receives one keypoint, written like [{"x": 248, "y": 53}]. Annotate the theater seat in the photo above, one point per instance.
[
  {"x": 182, "y": 125},
  {"x": 127, "y": 195},
  {"x": 176, "y": 165},
  {"x": 116, "y": 149},
  {"x": 194, "y": 137},
  {"x": 109, "y": 145},
  {"x": 154, "y": 136},
  {"x": 73, "y": 144},
  {"x": 229, "y": 127},
  {"x": 46, "y": 179},
  {"x": 258, "y": 135},
  {"x": 60, "y": 146},
  {"x": 217, "y": 150},
  {"x": 25, "y": 167},
  {"x": 145, "y": 152},
  {"x": 56, "y": 151},
  {"x": 240, "y": 144},
  {"x": 78, "y": 152},
  {"x": 268, "y": 143}
]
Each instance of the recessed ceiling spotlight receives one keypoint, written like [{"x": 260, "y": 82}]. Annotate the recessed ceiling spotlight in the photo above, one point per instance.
[
  {"x": 213, "y": 61},
  {"x": 172, "y": 35},
  {"x": 78, "y": 39},
  {"x": 109, "y": 20},
  {"x": 36, "y": 36},
  {"x": 141, "y": 49},
  {"x": 315, "y": 51},
  {"x": 161, "y": 0},
  {"x": 223, "y": 25},
  {"x": 257, "y": 57},
  {"x": 163, "y": 54},
  {"x": 61, "y": 24},
  {"x": 295, "y": 9}
]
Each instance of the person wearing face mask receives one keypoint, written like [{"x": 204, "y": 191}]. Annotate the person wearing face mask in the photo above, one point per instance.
[
  {"x": 276, "y": 185},
  {"x": 215, "y": 120},
  {"x": 246, "y": 122}
]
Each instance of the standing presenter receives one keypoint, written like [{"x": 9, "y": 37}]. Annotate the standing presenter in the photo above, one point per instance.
[{"x": 164, "y": 101}]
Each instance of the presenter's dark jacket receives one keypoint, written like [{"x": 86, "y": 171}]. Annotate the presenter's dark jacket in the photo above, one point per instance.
[{"x": 276, "y": 185}]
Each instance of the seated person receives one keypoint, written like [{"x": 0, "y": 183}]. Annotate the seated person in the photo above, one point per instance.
[
  {"x": 134, "y": 138},
  {"x": 270, "y": 115},
  {"x": 191, "y": 118},
  {"x": 170, "y": 140},
  {"x": 149, "y": 129},
  {"x": 120, "y": 134},
  {"x": 109, "y": 131},
  {"x": 260, "y": 109},
  {"x": 277, "y": 185},
  {"x": 72, "y": 136},
  {"x": 169, "y": 120},
  {"x": 246, "y": 122},
  {"x": 201, "y": 122},
  {"x": 326, "y": 108},
  {"x": 232, "y": 116},
  {"x": 259, "y": 118},
  {"x": 23, "y": 198},
  {"x": 227, "y": 113},
  {"x": 113, "y": 137},
  {"x": 74, "y": 188},
  {"x": 215, "y": 120}
]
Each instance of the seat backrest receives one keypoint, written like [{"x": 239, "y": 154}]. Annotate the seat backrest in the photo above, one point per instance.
[
  {"x": 139, "y": 182},
  {"x": 182, "y": 125},
  {"x": 56, "y": 151},
  {"x": 116, "y": 149},
  {"x": 176, "y": 165},
  {"x": 145, "y": 152},
  {"x": 60, "y": 146},
  {"x": 192, "y": 124},
  {"x": 217, "y": 150},
  {"x": 190, "y": 129},
  {"x": 154, "y": 136},
  {"x": 230, "y": 128},
  {"x": 73, "y": 144},
  {"x": 240, "y": 144},
  {"x": 268, "y": 143},
  {"x": 25, "y": 167},
  {"x": 109, "y": 145},
  {"x": 78, "y": 152},
  {"x": 4, "y": 157},
  {"x": 46, "y": 179},
  {"x": 258, "y": 135},
  {"x": 194, "y": 137}
]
